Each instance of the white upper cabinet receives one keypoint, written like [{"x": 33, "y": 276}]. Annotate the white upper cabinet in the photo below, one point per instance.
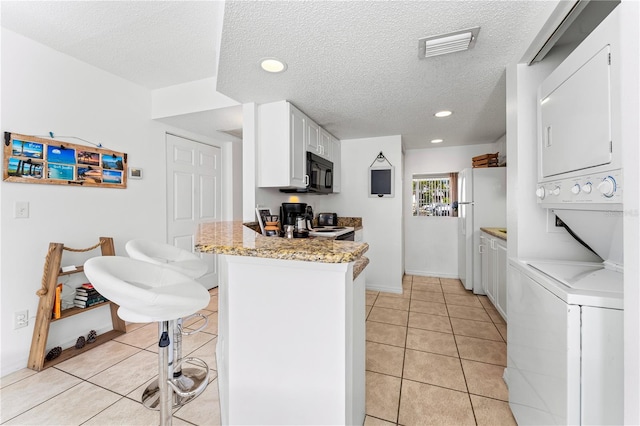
[
  {"x": 298, "y": 176},
  {"x": 281, "y": 147},
  {"x": 324, "y": 144},
  {"x": 337, "y": 163},
  {"x": 313, "y": 136},
  {"x": 285, "y": 135}
]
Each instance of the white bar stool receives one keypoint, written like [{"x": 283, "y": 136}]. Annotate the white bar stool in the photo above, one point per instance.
[
  {"x": 167, "y": 255},
  {"x": 191, "y": 265},
  {"x": 152, "y": 293}
]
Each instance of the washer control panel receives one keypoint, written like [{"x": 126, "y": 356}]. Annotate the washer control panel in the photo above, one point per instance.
[{"x": 597, "y": 188}]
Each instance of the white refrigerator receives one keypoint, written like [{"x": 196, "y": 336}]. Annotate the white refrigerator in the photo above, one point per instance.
[{"x": 482, "y": 194}]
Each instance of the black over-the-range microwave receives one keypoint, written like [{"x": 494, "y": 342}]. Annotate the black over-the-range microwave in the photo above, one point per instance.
[{"x": 319, "y": 176}]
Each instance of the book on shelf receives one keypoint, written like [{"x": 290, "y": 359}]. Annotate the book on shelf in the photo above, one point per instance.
[
  {"x": 82, "y": 292},
  {"x": 87, "y": 289},
  {"x": 86, "y": 304},
  {"x": 80, "y": 298},
  {"x": 57, "y": 302}
]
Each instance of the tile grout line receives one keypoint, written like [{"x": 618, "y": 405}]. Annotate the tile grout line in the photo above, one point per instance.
[
  {"x": 464, "y": 376},
  {"x": 404, "y": 354}
]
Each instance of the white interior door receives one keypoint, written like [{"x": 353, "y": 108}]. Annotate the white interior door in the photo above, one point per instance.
[{"x": 193, "y": 195}]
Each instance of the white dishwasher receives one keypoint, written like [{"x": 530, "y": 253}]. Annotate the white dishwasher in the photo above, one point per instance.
[{"x": 565, "y": 343}]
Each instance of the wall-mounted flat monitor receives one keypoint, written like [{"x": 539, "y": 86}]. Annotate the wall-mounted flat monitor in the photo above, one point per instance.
[{"x": 381, "y": 181}]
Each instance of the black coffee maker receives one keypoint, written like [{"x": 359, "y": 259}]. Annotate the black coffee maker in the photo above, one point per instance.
[{"x": 295, "y": 214}]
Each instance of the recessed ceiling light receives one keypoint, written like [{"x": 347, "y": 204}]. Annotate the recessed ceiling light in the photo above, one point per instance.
[
  {"x": 272, "y": 65},
  {"x": 437, "y": 140},
  {"x": 441, "y": 114}
]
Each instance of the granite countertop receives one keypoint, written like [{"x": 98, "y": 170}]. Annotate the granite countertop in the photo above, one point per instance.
[
  {"x": 233, "y": 238},
  {"x": 359, "y": 266},
  {"x": 496, "y": 232},
  {"x": 356, "y": 222}
]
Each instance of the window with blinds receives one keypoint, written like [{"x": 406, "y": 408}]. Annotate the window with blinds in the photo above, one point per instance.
[{"x": 433, "y": 195}]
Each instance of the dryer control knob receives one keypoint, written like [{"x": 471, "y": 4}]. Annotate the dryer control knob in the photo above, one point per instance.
[
  {"x": 575, "y": 189},
  {"x": 540, "y": 193},
  {"x": 607, "y": 187},
  {"x": 556, "y": 190},
  {"x": 586, "y": 188}
]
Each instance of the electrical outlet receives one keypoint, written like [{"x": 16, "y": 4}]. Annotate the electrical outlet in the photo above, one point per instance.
[
  {"x": 554, "y": 224},
  {"x": 20, "y": 319}
]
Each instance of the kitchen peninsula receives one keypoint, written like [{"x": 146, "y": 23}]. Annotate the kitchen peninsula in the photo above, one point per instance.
[{"x": 291, "y": 327}]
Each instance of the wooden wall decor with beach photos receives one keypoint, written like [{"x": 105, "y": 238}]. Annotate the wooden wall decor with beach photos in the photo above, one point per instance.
[{"x": 30, "y": 159}]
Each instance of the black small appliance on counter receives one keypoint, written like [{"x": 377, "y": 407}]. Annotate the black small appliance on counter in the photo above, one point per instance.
[
  {"x": 296, "y": 214},
  {"x": 327, "y": 219}
]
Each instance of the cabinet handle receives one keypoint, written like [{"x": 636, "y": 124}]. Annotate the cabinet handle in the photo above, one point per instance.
[
  {"x": 548, "y": 138},
  {"x": 481, "y": 248},
  {"x": 306, "y": 180}
]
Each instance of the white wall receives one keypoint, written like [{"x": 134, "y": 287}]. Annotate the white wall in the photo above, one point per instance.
[
  {"x": 194, "y": 96},
  {"x": 630, "y": 111},
  {"x": 381, "y": 217},
  {"x": 431, "y": 243},
  {"x": 42, "y": 91},
  {"x": 236, "y": 181}
]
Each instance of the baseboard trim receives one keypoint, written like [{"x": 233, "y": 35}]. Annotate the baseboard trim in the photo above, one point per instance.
[
  {"x": 385, "y": 289},
  {"x": 431, "y": 274}
]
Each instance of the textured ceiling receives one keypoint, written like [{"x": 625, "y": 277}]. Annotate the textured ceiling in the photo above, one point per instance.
[
  {"x": 152, "y": 43},
  {"x": 352, "y": 65}
]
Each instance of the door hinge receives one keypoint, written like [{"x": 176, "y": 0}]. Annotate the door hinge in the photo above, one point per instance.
[
  {"x": 611, "y": 146},
  {"x": 609, "y": 58}
]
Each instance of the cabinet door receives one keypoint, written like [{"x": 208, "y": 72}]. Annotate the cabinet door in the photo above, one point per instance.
[
  {"x": 337, "y": 163},
  {"x": 501, "y": 278},
  {"x": 298, "y": 153},
  {"x": 324, "y": 144},
  {"x": 313, "y": 136},
  {"x": 493, "y": 254},
  {"x": 483, "y": 248}
]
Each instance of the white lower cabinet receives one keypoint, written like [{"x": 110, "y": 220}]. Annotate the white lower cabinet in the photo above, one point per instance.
[
  {"x": 501, "y": 277},
  {"x": 493, "y": 255}
]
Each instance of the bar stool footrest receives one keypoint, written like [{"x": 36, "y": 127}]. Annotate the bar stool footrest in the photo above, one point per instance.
[
  {"x": 197, "y": 330},
  {"x": 191, "y": 383}
]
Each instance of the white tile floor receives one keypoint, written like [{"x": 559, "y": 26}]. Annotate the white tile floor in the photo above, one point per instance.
[
  {"x": 435, "y": 355},
  {"x": 103, "y": 386}
]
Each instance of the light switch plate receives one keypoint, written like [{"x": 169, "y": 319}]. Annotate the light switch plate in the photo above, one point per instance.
[{"x": 21, "y": 210}]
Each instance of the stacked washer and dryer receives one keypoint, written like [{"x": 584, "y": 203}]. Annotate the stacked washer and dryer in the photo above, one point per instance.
[{"x": 565, "y": 334}]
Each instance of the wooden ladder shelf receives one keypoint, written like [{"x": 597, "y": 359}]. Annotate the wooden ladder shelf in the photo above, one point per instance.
[{"x": 47, "y": 296}]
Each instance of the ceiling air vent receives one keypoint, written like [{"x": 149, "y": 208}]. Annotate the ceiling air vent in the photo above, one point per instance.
[{"x": 447, "y": 43}]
